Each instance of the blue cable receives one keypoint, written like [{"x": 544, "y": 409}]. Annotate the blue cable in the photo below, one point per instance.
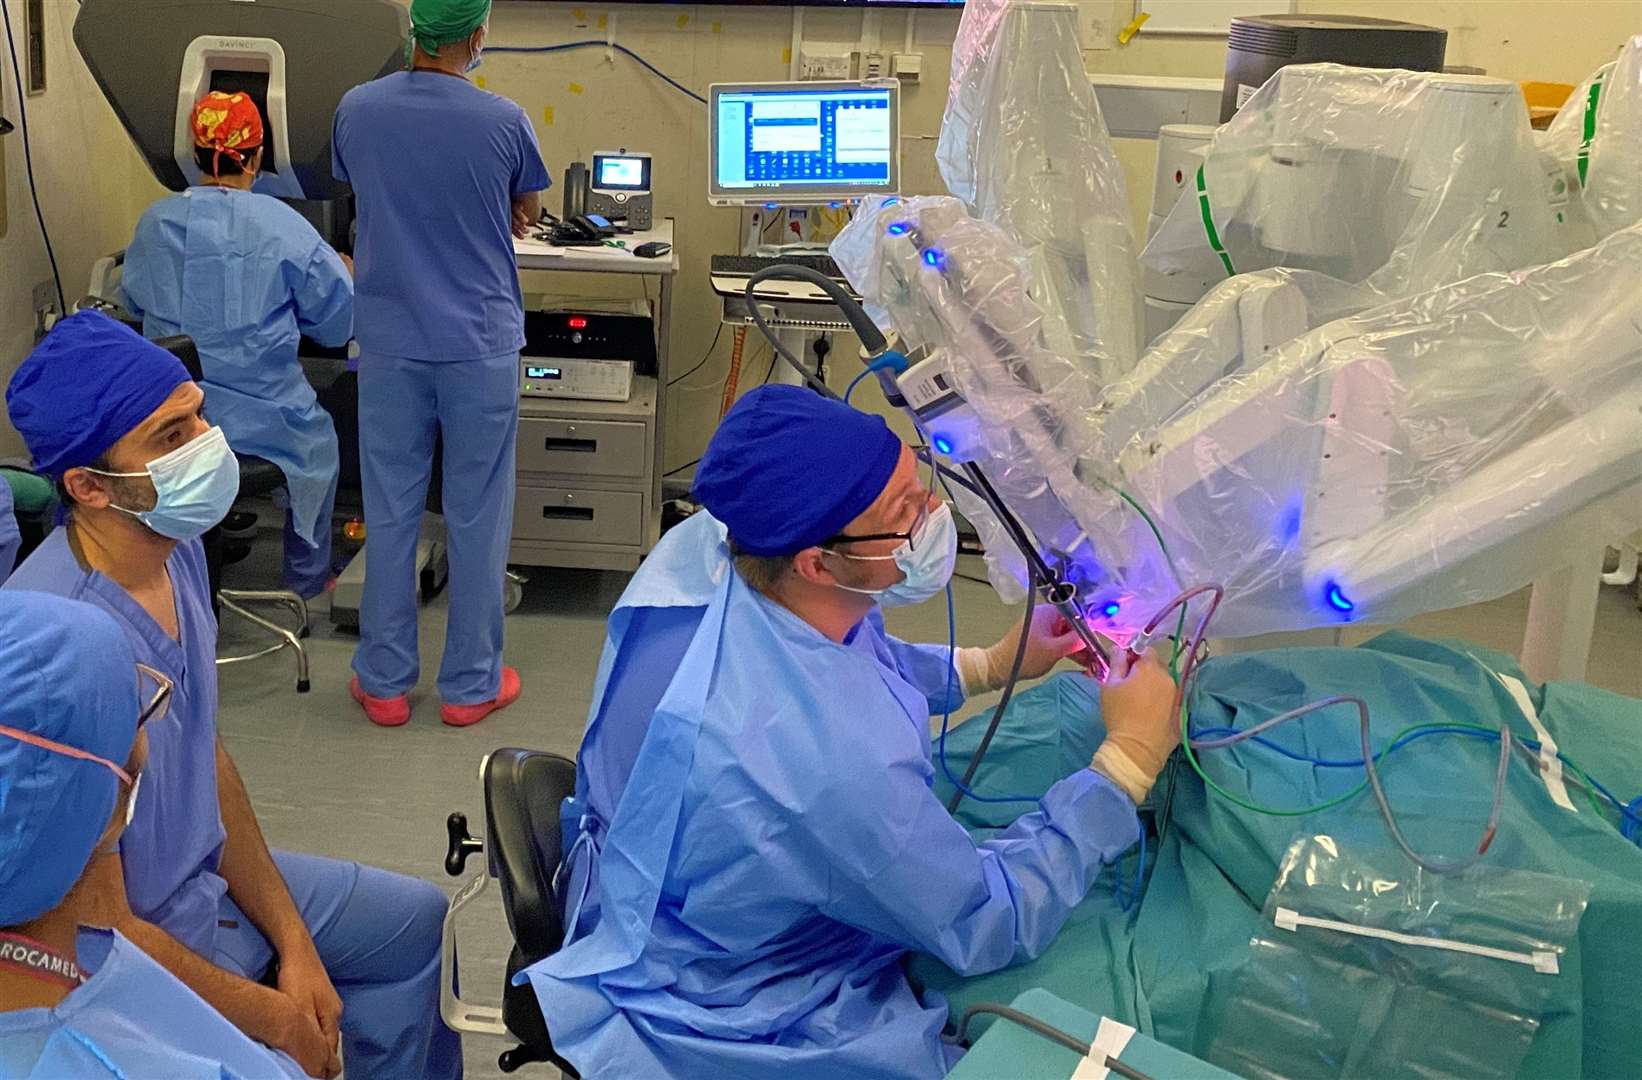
[
  {"x": 624, "y": 50},
  {"x": 1630, "y": 813},
  {"x": 891, "y": 360},
  {"x": 1126, "y": 903},
  {"x": 946, "y": 718}
]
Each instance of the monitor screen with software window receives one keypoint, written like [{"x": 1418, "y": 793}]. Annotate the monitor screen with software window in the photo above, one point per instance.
[{"x": 803, "y": 142}]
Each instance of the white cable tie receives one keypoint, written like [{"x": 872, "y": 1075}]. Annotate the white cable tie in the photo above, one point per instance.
[{"x": 1543, "y": 961}]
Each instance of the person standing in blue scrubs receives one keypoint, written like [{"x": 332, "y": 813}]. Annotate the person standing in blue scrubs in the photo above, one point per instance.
[
  {"x": 445, "y": 176},
  {"x": 757, "y": 843},
  {"x": 76, "y": 1001},
  {"x": 307, "y": 955},
  {"x": 245, "y": 276}
]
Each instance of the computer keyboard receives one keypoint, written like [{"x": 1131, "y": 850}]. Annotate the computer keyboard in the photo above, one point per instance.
[{"x": 748, "y": 265}]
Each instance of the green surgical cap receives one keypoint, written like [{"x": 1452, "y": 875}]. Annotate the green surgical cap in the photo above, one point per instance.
[{"x": 435, "y": 23}]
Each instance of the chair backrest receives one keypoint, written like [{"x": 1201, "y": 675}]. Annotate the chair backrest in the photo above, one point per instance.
[
  {"x": 183, "y": 348},
  {"x": 523, "y": 793}
]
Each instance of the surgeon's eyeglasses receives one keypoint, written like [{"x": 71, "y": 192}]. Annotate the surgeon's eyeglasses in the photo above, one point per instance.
[
  {"x": 156, "y": 705},
  {"x": 159, "y": 700},
  {"x": 909, "y": 537}
]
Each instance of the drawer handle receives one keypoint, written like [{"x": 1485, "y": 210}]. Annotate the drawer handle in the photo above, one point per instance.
[
  {"x": 568, "y": 513},
  {"x": 572, "y": 446}
]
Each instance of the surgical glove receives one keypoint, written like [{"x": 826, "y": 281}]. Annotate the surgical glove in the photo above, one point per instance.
[
  {"x": 1142, "y": 724},
  {"x": 1050, "y": 641}
]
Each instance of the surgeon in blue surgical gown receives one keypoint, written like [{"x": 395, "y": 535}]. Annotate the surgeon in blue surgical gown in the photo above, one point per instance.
[
  {"x": 754, "y": 845},
  {"x": 246, "y": 277}
]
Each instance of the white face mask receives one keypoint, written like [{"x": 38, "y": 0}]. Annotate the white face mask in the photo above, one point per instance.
[
  {"x": 926, "y": 563},
  {"x": 195, "y": 486}
]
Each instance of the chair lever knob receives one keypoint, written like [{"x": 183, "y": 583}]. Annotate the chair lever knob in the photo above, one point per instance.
[{"x": 462, "y": 844}]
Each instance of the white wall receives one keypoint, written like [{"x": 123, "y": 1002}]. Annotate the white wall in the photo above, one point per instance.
[{"x": 92, "y": 186}]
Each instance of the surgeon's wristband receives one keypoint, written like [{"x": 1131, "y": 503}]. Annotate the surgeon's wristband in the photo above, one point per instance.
[
  {"x": 974, "y": 671},
  {"x": 1118, "y": 767}
]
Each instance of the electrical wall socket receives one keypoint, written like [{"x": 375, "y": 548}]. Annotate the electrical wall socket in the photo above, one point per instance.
[
  {"x": 906, "y": 66},
  {"x": 869, "y": 65},
  {"x": 818, "y": 64},
  {"x": 45, "y": 299},
  {"x": 45, "y": 307}
]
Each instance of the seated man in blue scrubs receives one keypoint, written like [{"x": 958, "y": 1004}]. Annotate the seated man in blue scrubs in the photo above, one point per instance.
[
  {"x": 11, "y": 538},
  {"x": 757, "y": 844},
  {"x": 77, "y": 1001},
  {"x": 117, "y": 422},
  {"x": 245, "y": 276}
]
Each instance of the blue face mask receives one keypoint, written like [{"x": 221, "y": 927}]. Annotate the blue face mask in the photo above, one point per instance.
[
  {"x": 195, "y": 485},
  {"x": 926, "y": 564}
]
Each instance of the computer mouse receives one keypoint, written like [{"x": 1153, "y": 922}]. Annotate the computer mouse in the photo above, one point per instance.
[{"x": 655, "y": 249}]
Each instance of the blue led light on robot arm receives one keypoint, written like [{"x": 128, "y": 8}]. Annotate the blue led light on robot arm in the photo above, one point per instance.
[
  {"x": 933, "y": 257},
  {"x": 1337, "y": 599}
]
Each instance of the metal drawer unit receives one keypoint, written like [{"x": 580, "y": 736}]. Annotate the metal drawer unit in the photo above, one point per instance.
[
  {"x": 587, "y": 482},
  {"x": 616, "y": 448}
]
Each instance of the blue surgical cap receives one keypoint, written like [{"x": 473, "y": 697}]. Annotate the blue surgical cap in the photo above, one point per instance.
[
  {"x": 67, "y": 673},
  {"x": 788, "y": 469},
  {"x": 85, "y": 387}
]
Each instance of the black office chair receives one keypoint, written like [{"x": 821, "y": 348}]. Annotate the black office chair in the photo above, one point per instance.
[
  {"x": 257, "y": 477},
  {"x": 523, "y": 792},
  {"x": 34, "y": 506}
]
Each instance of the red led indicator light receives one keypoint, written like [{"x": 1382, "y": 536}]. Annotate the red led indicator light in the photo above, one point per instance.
[{"x": 578, "y": 323}]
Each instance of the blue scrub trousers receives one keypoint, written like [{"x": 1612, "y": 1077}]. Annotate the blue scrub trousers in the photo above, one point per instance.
[
  {"x": 378, "y": 935},
  {"x": 403, "y": 405},
  {"x": 307, "y": 568}
]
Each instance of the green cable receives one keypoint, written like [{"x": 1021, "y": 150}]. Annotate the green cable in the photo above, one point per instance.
[
  {"x": 1585, "y": 782},
  {"x": 1191, "y": 758},
  {"x": 1180, "y": 626},
  {"x": 1185, "y": 734}
]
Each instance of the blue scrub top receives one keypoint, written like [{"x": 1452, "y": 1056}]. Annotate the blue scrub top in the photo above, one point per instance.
[
  {"x": 11, "y": 538},
  {"x": 246, "y": 276},
  {"x": 436, "y": 163},
  {"x": 173, "y": 847},
  {"x": 131, "y": 1018}
]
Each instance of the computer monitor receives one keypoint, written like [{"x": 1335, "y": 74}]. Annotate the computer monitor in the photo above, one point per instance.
[{"x": 799, "y": 143}]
